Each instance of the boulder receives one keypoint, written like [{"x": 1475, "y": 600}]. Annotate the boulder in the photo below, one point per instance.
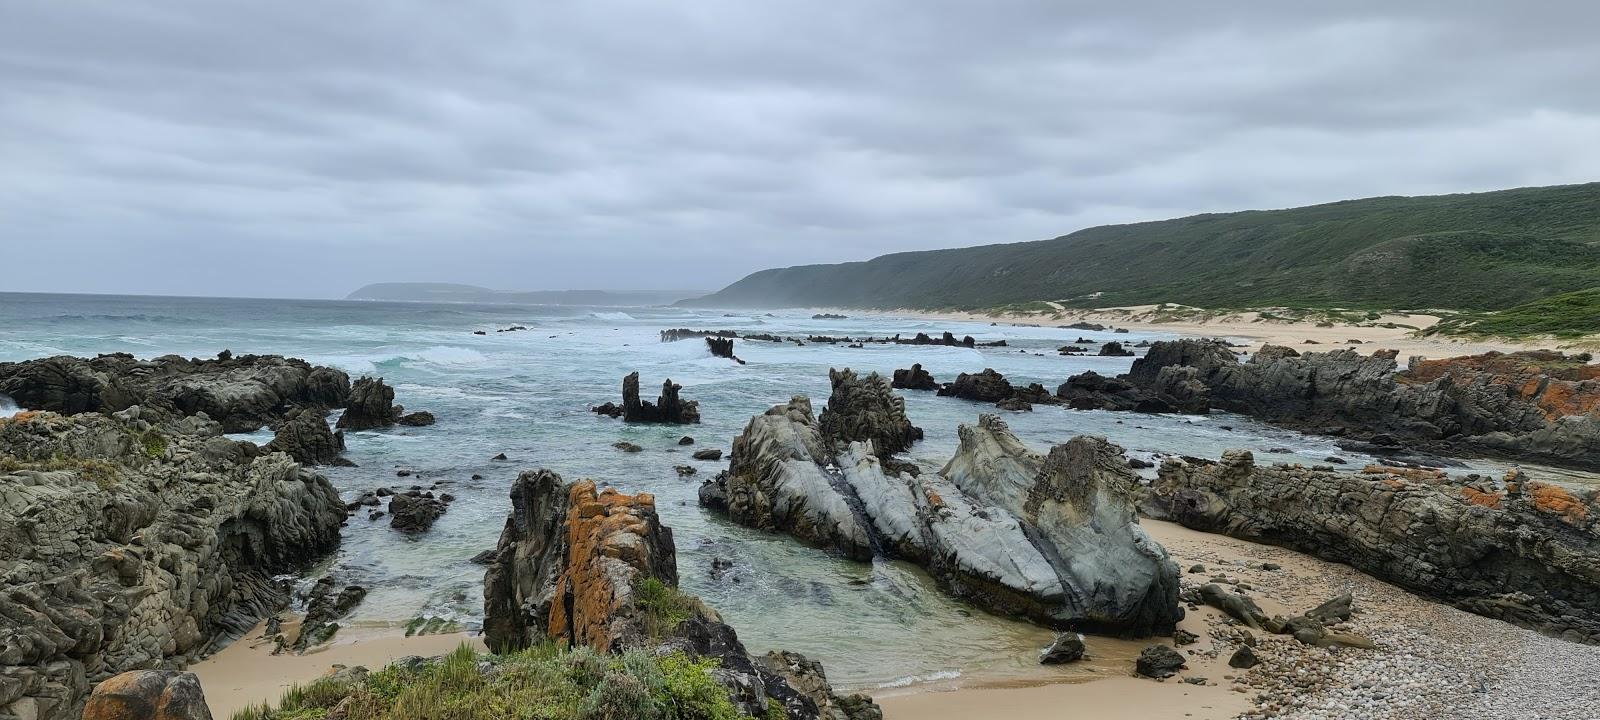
[
  {"x": 866, "y": 408},
  {"x": 420, "y": 418},
  {"x": 148, "y": 695},
  {"x": 1068, "y": 647},
  {"x": 413, "y": 513},
  {"x": 371, "y": 406},
  {"x": 986, "y": 386},
  {"x": 1159, "y": 661},
  {"x": 1114, "y": 349},
  {"x": 1244, "y": 658},
  {"x": 306, "y": 437},
  {"x": 707, "y": 454},
  {"x": 914, "y": 378}
]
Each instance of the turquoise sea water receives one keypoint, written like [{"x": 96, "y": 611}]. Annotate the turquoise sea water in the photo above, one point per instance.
[{"x": 527, "y": 394}]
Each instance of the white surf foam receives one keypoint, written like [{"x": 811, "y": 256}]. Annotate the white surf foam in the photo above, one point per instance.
[
  {"x": 8, "y": 407},
  {"x": 921, "y": 679}
]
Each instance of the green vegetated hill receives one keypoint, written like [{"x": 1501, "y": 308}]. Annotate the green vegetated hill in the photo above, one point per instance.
[
  {"x": 1473, "y": 252},
  {"x": 1568, "y": 315}
]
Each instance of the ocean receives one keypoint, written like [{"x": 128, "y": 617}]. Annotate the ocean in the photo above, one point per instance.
[{"x": 527, "y": 394}]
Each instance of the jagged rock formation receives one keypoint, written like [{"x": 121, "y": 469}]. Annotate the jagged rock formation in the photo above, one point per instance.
[
  {"x": 1526, "y": 552},
  {"x": 986, "y": 386},
  {"x": 130, "y": 545},
  {"x": 326, "y": 605},
  {"x": 584, "y": 567},
  {"x": 668, "y": 408},
  {"x": 867, "y": 409},
  {"x": 914, "y": 378},
  {"x": 243, "y": 393},
  {"x": 305, "y": 436},
  {"x": 723, "y": 348},
  {"x": 777, "y": 480},
  {"x": 1114, "y": 349},
  {"x": 413, "y": 512},
  {"x": 1175, "y": 389},
  {"x": 1053, "y": 538},
  {"x": 371, "y": 406},
  {"x": 148, "y": 695}
]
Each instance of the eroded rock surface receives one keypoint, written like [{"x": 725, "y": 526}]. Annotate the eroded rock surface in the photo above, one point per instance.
[
  {"x": 866, "y": 408},
  {"x": 914, "y": 378},
  {"x": 580, "y": 566},
  {"x": 148, "y": 695},
  {"x": 1522, "y": 551},
  {"x": 130, "y": 545},
  {"x": 668, "y": 407},
  {"x": 242, "y": 393},
  {"x": 306, "y": 437},
  {"x": 371, "y": 406}
]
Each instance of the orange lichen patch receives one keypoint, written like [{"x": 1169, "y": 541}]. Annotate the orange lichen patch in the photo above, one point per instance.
[
  {"x": 608, "y": 547},
  {"x": 1556, "y": 500},
  {"x": 1479, "y": 497},
  {"x": 1393, "y": 483},
  {"x": 1561, "y": 398},
  {"x": 1556, "y": 384},
  {"x": 934, "y": 499}
]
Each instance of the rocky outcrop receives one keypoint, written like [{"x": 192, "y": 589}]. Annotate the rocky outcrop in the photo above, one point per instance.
[
  {"x": 778, "y": 480},
  {"x": 723, "y": 348},
  {"x": 305, "y": 436},
  {"x": 1053, "y": 538},
  {"x": 986, "y": 386},
  {"x": 242, "y": 393},
  {"x": 132, "y": 545},
  {"x": 914, "y": 378},
  {"x": 866, "y": 408},
  {"x": 371, "y": 406},
  {"x": 1523, "y": 551},
  {"x": 148, "y": 695},
  {"x": 1114, "y": 349},
  {"x": 325, "y": 606},
  {"x": 1535, "y": 406},
  {"x": 420, "y": 418},
  {"x": 668, "y": 407},
  {"x": 414, "y": 511},
  {"x": 582, "y": 567},
  {"x": 1175, "y": 389}
]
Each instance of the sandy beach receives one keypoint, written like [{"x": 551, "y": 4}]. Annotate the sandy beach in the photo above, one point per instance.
[{"x": 1256, "y": 328}]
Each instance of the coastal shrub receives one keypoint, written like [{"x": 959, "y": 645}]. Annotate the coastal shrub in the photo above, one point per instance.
[
  {"x": 664, "y": 607},
  {"x": 543, "y": 682}
]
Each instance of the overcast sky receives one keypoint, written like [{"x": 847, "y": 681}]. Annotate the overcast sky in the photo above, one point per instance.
[{"x": 304, "y": 149}]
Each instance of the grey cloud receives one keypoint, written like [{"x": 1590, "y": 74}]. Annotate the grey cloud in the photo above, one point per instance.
[{"x": 226, "y": 147}]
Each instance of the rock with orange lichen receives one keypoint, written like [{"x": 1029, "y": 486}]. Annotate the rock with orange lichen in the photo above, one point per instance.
[
  {"x": 582, "y": 566},
  {"x": 1534, "y": 406},
  {"x": 1523, "y": 551},
  {"x": 148, "y": 695}
]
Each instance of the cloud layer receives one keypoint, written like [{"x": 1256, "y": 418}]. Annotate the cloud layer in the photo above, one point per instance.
[{"x": 304, "y": 149}]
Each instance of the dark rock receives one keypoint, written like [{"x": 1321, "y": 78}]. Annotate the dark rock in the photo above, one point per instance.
[
  {"x": 626, "y": 446},
  {"x": 707, "y": 454},
  {"x": 420, "y": 418},
  {"x": 306, "y": 437},
  {"x": 371, "y": 406},
  {"x": 500, "y": 456},
  {"x": 413, "y": 514},
  {"x": 1182, "y": 637},
  {"x": 865, "y": 408},
  {"x": 914, "y": 378},
  {"x": 722, "y": 348},
  {"x": 1140, "y": 463},
  {"x": 1159, "y": 661},
  {"x": 685, "y": 470},
  {"x": 986, "y": 386},
  {"x": 323, "y": 607},
  {"x": 668, "y": 408},
  {"x": 1244, "y": 658},
  {"x": 482, "y": 558},
  {"x": 1015, "y": 404},
  {"x": 686, "y": 440},
  {"x": 1067, "y": 647},
  {"x": 1114, "y": 349}
]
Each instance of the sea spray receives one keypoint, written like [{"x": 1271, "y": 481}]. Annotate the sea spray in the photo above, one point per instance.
[{"x": 8, "y": 407}]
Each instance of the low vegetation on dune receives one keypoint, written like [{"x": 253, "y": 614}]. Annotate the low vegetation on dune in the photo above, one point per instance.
[
  {"x": 1469, "y": 252},
  {"x": 1568, "y": 315},
  {"x": 544, "y": 682}
]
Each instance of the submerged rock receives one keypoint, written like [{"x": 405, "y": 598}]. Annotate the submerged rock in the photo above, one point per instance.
[
  {"x": 914, "y": 378},
  {"x": 413, "y": 513},
  {"x": 420, "y": 418}
]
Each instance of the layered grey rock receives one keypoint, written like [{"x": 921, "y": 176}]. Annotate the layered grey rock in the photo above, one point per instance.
[
  {"x": 243, "y": 393},
  {"x": 130, "y": 545},
  {"x": 305, "y": 436},
  {"x": 371, "y": 406},
  {"x": 1526, "y": 552}
]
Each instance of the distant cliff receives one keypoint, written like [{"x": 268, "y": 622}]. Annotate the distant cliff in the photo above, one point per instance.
[
  {"x": 451, "y": 292},
  {"x": 1477, "y": 252}
]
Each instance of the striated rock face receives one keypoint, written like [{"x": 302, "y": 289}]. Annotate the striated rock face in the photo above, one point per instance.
[
  {"x": 867, "y": 409},
  {"x": 1075, "y": 509},
  {"x": 668, "y": 408},
  {"x": 1525, "y": 552},
  {"x": 987, "y": 386},
  {"x": 585, "y": 567},
  {"x": 371, "y": 406},
  {"x": 1538, "y": 405},
  {"x": 132, "y": 545},
  {"x": 243, "y": 393},
  {"x": 778, "y": 480},
  {"x": 305, "y": 436},
  {"x": 914, "y": 378},
  {"x": 148, "y": 695},
  {"x": 1053, "y": 538}
]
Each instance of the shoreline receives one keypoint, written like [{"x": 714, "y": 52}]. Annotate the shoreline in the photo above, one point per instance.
[{"x": 1255, "y": 328}]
